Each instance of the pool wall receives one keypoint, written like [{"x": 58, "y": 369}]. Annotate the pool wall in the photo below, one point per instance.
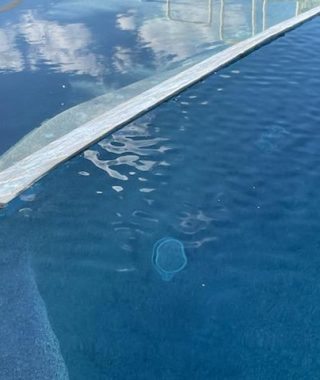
[{"x": 24, "y": 173}]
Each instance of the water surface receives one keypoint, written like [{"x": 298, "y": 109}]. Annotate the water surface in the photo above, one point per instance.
[
  {"x": 55, "y": 55},
  {"x": 230, "y": 169}
]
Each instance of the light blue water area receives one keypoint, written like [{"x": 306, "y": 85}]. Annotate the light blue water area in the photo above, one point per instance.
[{"x": 230, "y": 169}]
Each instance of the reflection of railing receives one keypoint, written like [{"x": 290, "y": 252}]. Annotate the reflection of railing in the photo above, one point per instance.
[
  {"x": 265, "y": 12},
  {"x": 300, "y": 6},
  {"x": 254, "y": 11},
  {"x": 172, "y": 18},
  {"x": 223, "y": 15},
  {"x": 10, "y": 5}
]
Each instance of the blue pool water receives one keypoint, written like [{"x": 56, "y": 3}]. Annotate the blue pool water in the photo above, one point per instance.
[
  {"x": 58, "y": 54},
  {"x": 230, "y": 168}
]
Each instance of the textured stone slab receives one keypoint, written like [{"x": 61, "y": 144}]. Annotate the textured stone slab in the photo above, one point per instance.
[{"x": 24, "y": 173}]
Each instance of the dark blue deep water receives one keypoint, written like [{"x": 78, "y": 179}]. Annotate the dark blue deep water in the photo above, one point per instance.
[{"x": 231, "y": 169}]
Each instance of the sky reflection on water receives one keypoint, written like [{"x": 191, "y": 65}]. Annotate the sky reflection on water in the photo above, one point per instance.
[{"x": 55, "y": 55}]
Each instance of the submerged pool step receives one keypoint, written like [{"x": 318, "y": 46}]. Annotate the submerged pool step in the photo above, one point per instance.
[
  {"x": 21, "y": 175},
  {"x": 29, "y": 348}
]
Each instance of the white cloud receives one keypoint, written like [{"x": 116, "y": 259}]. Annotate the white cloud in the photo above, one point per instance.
[
  {"x": 11, "y": 58},
  {"x": 126, "y": 22},
  {"x": 122, "y": 59},
  {"x": 168, "y": 38},
  {"x": 65, "y": 46}
]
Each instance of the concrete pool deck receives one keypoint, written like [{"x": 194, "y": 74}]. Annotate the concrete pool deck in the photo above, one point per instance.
[{"x": 27, "y": 171}]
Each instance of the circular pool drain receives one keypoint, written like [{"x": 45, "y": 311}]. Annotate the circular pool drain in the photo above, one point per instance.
[
  {"x": 9, "y": 5},
  {"x": 168, "y": 257}
]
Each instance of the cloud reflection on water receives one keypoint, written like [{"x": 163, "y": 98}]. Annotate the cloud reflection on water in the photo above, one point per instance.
[
  {"x": 66, "y": 47},
  {"x": 64, "y": 37}
]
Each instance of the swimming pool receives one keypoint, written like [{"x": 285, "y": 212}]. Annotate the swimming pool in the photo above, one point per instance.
[
  {"x": 187, "y": 43},
  {"x": 229, "y": 168}
]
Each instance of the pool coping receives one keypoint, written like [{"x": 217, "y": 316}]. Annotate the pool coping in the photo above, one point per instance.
[{"x": 17, "y": 178}]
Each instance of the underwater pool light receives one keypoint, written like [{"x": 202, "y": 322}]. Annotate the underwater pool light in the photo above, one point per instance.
[{"x": 169, "y": 257}]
